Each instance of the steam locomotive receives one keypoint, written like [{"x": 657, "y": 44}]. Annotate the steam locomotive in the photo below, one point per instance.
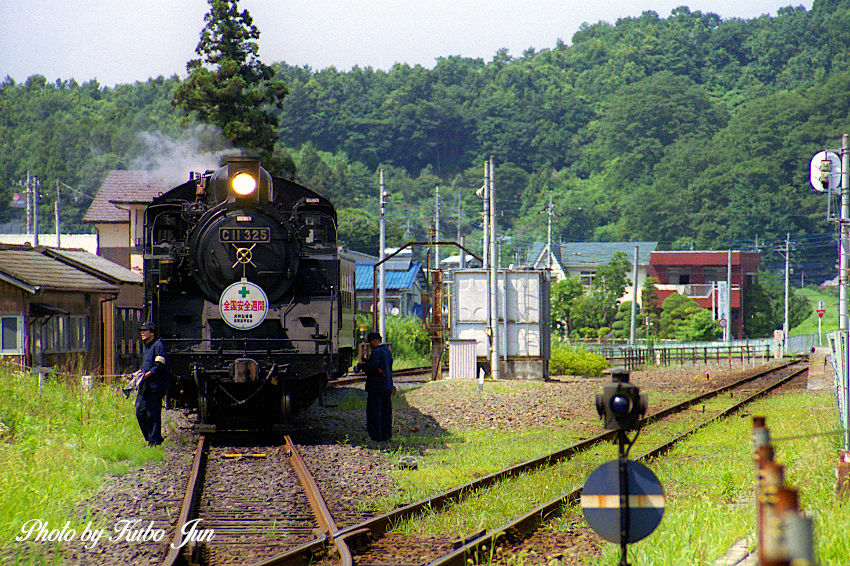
[{"x": 250, "y": 293}]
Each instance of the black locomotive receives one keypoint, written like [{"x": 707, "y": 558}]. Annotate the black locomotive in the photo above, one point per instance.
[{"x": 251, "y": 295}]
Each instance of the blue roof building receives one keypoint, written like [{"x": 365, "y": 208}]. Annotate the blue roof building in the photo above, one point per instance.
[{"x": 405, "y": 281}]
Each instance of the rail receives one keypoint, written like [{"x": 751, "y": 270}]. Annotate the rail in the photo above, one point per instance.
[
  {"x": 377, "y": 526},
  {"x": 527, "y": 523}
]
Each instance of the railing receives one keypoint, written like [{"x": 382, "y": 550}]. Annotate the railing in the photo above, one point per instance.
[
  {"x": 693, "y": 290},
  {"x": 631, "y": 357}
]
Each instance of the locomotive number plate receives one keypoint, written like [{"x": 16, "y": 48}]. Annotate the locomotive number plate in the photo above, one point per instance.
[{"x": 243, "y": 235}]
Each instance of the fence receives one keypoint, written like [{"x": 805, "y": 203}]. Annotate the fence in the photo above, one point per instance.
[{"x": 633, "y": 356}]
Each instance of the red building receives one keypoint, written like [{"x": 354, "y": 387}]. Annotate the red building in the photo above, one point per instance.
[{"x": 692, "y": 273}]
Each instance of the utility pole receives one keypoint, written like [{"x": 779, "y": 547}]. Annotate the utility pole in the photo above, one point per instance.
[
  {"x": 485, "y": 194},
  {"x": 36, "y": 185},
  {"x": 382, "y": 282},
  {"x": 842, "y": 303},
  {"x": 727, "y": 332},
  {"x": 56, "y": 212},
  {"x": 845, "y": 234},
  {"x": 437, "y": 229},
  {"x": 494, "y": 295},
  {"x": 549, "y": 213},
  {"x": 634, "y": 290},
  {"x": 785, "y": 320},
  {"x": 28, "y": 193},
  {"x": 459, "y": 240}
]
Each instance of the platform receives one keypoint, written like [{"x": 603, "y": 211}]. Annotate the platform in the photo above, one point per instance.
[{"x": 821, "y": 374}]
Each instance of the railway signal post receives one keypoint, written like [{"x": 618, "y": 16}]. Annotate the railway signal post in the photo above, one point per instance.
[
  {"x": 622, "y": 500},
  {"x": 830, "y": 173}
]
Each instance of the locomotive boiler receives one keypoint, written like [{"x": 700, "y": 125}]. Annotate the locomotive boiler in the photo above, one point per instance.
[{"x": 251, "y": 295}]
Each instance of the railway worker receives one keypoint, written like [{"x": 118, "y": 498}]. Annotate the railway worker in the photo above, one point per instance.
[
  {"x": 154, "y": 383},
  {"x": 379, "y": 387}
]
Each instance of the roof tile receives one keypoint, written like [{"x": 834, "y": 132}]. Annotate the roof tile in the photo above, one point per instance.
[
  {"x": 123, "y": 186},
  {"x": 32, "y": 267}
]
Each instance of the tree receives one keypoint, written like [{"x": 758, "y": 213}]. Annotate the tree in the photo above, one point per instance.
[
  {"x": 649, "y": 308},
  {"x": 359, "y": 230},
  {"x": 608, "y": 286},
  {"x": 676, "y": 310},
  {"x": 699, "y": 326},
  {"x": 598, "y": 308},
  {"x": 684, "y": 320},
  {"x": 229, "y": 86},
  {"x": 764, "y": 307},
  {"x": 622, "y": 325},
  {"x": 564, "y": 294}
]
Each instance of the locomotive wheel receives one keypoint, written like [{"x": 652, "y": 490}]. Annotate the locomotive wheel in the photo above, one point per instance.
[
  {"x": 285, "y": 407},
  {"x": 204, "y": 412}
]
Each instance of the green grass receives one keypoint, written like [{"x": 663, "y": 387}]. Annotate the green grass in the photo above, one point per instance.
[
  {"x": 829, "y": 322},
  {"x": 709, "y": 483},
  {"x": 708, "y": 479},
  {"x": 58, "y": 446}
]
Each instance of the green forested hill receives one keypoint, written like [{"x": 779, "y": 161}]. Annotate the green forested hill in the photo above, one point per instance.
[{"x": 686, "y": 129}]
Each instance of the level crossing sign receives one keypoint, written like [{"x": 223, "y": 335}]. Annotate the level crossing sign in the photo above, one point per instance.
[{"x": 622, "y": 509}]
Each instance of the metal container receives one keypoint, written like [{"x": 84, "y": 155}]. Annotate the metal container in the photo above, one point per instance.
[
  {"x": 523, "y": 318},
  {"x": 462, "y": 362}
]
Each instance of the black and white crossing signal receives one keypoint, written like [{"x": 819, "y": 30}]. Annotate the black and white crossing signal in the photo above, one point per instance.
[{"x": 621, "y": 404}]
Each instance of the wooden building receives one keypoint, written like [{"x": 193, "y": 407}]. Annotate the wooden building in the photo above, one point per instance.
[
  {"x": 51, "y": 312},
  {"x": 118, "y": 212},
  {"x": 122, "y": 352}
]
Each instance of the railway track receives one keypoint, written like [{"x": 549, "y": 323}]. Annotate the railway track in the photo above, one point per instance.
[
  {"x": 369, "y": 540},
  {"x": 273, "y": 508},
  {"x": 415, "y": 374},
  {"x": 368, "y": 536}
]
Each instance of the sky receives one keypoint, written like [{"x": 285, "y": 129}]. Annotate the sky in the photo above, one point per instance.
[{"x": 123, "y": 41}]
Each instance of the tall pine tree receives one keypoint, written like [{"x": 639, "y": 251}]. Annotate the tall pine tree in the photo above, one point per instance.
[{"x": 230, "y": 87}]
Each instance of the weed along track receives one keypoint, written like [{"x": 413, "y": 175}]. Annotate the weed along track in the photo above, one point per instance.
[
  {"x": 661, "y": 430},
  {"x": 246, "y": 504}
]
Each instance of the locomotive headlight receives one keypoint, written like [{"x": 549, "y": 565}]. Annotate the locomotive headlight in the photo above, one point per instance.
[{"x": 244, "y": 184}]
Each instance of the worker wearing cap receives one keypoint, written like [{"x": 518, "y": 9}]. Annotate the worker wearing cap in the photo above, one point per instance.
[
  {"x": 154, "y": 383},
  {"x": 379, "y": 386}
]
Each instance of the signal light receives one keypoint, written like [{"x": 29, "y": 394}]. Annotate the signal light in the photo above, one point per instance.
[
  {"x": 825, "y": 167},
  {"x": 621, "y": 404},
  {"x": 244, "y": 184}
]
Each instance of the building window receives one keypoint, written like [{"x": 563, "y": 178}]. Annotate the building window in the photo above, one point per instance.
[
  {"x": 714, "y": 274},
  {"x": 679, "y": 276},
  {"x": 586, "y": 277},
  {"x": 78, "y": 334},
  {"x": 66, "y": 334},
  {"x": 11, "y": 335}
]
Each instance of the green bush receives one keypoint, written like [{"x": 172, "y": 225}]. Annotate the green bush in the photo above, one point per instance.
[
  {"x": 572, "y": 360},
  {"x": 406, "y": 334}
]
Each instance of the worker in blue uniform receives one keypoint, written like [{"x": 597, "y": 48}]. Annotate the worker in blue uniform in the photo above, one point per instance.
[
  {"x": 154, "y": 382},
  {"x": 379, "y": 388}
]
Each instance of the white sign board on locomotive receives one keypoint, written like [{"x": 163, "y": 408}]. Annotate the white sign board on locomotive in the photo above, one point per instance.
[{"x": 243, "y": 305}]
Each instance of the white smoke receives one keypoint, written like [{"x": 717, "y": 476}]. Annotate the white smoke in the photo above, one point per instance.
[{"x": 170, "y": 160}]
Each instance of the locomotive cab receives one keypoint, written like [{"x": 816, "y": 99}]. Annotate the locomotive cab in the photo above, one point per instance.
[{"x": 244, "y": 278}]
